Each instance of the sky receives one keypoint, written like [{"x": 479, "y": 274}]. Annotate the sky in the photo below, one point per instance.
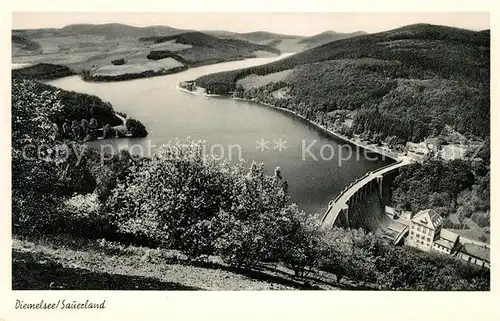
[{"x": 298, "y": 23}]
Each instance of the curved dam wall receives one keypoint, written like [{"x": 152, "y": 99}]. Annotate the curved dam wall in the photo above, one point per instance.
[
  {"x": 369, "y": 213},
  {"x": 366, "y": 208}
]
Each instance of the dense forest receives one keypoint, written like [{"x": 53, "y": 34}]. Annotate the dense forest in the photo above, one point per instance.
[
  {"x": 457, "y": 186},
  {"x": 42, "y": 71},
  {"x": 410, "y": 72},
  {"x": 181, "y": 199}
]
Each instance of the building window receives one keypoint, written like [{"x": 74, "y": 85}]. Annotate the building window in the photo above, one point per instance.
[
  {"x": 412, "y": 233},
  {"x": 428, "y": 239},
  {"x": 418, "y": 229},
  {"x": 423, "y": 237},
  {"x": 430, "y": 232}
]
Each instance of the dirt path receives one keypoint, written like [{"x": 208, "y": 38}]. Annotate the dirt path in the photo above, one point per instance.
[{"x": 80, "y": 264}]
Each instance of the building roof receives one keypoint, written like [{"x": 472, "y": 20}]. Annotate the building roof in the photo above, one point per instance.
[
  {"x": 448, "y": 235},
  {"x": 429, "y": 218},
  {"x": 473, "y": 235},
  {"x": 444, "y": 243},
  {"x": 480, "y": 252}
]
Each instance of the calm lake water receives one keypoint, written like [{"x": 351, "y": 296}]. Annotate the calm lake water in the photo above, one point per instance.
[{"x": 233, "y": 128}]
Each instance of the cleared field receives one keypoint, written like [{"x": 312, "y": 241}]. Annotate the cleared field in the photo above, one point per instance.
[
  {"x": 18, "y": 66},
  {"x": 290, "y": 45},
  {"x": 170, "y": 45},
  {"x": 55, "y": 58},
  {"x": 282, "y": 93},
  {"x": 93, "y": 48},
  {"x": 255, "y": 81},
  {"x": 263, "y": 54},
  {"x": 450, "y": 152},
  {"x": 80, "y": 51},
  {"x": 137, "y": 67},
  {"x": 84, "y": 43},
  {"x": 284, "y": 45}
]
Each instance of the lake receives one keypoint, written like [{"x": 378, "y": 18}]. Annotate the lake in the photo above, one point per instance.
[{"x": 316, "y": 165}]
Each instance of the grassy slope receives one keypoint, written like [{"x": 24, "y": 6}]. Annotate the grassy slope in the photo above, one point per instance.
[
  {"x": 72, "y": 264},
  {"x": 209, "y": 48},
  {"x": 286, "y": 43}
]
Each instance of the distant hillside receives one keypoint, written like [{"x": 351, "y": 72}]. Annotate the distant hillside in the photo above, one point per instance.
[
  {"x": 258, "y": 36},
  {"x": 328, "y": 36},
  {"x": 287, "y": 43},
  {"x": 408, "y": 82},
  {"x": 42, "y": 72},
  {"x": 196, "y": 38},
  {"x": 90, "y": 49},
  {"x": 282, "y": 42},
  {"x": 110, "y": 30}
]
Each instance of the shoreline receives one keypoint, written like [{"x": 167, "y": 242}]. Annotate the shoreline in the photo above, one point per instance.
[
  {"x": 332, "y": 134},
  {"x": 329, "y": 131},
  {"x": 88, "y": 77}
]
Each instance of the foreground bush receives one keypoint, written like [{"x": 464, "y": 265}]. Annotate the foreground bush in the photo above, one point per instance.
[{"x": 180, "y": 199}]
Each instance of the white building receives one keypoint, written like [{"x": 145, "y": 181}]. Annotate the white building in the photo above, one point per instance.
[
  {"x": 426, "y": 234},
  {"x": 425, "y": 226}
]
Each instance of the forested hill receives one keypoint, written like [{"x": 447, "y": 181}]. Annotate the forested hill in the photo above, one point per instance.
[
  {"x": 408, "y": 82},
  {"x": 414, "y": 46},
  {"x": 200, "y": 39},
  {"x": 255, "y": 36},
  {"x": 328, "y": 36}
]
